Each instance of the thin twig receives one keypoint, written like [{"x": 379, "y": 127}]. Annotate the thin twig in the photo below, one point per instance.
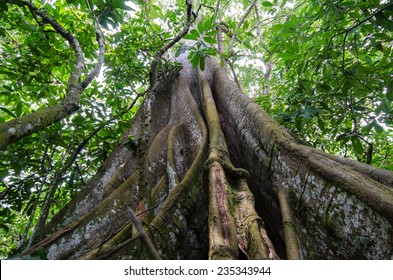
[
  {"x": 240, "y": 23},
  {"x": 348, "y": 30},
  {"x": 145, "y": 238},
  {"x": 117, "y": 248}
]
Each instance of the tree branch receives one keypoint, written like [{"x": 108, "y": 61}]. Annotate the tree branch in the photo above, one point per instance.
[
  {"x": 145, "y": 238},
  {"x": 217, "y": 7},
  {"x": 101, "y": 51},
  {"x": 234, "y": 75},
  {"x": 16, "y": 129},
  {"x": 80, "y": 60},
  {"x": 243, "y": 18},
  {"x": 37, "y": 232},
  {"x": 357, "y": 25},
  {"x": 161, "y": 52},
  {"x": 220, "y": 43}
]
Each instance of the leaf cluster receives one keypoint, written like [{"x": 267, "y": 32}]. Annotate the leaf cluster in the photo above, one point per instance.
[
  {"x": 202, "y": 41},
  {"x": 331, "y": 81}
]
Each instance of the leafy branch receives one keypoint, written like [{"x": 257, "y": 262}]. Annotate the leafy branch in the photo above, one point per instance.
[
  {"x": 353, "y": 27},
  {"x": 239, "y": 24},
  {"x": 164, "y": 49},
  {"x": 21, "y": 127},
  {"x": 37, "y": 232}
]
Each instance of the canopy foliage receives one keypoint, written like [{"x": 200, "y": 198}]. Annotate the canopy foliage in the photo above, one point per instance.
[{"x": 323, "y": 69}]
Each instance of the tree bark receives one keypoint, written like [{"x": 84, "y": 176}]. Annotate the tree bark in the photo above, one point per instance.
[{"x": 225, "y": 182}]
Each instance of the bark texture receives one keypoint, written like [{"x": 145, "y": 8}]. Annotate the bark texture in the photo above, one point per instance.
[{"x": 225, "y": 182}]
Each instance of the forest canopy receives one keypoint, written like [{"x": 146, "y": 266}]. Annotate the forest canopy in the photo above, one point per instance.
[{"x": 322, "y": 69}]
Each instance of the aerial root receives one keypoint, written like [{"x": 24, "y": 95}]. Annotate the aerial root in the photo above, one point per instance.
[
  {"x": 233, "y": 221},
  {"x": 289, "y": 226}
]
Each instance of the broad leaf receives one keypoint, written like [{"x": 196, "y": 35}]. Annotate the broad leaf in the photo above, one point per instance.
[
  {"x": 357, "y": 145},
  {"x": 267, "y": 4},
  {"x": 202, "y": 63},
  {"x": 8, "y": 112},
  {"x": 210, "y": 40}
]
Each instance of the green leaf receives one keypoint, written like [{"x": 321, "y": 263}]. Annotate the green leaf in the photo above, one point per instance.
[
  {"x": 357, "y": 145},
  {"x": 321, "y": 125},
  {"x": 190, "y": 37},
  {"x": 324, "y": 106},
  {"x": 324, "y": 87},
  {"x": 378, "y": 128},
  {"x": 209, "y": 51},
  {"x": 195, "y": 33},
  {"x": 283, "y": 3},
  {"x": 246, "y": 24},
  {"x": 202, "y": 63},
  {"x": 181, "y": 50},
  {"x": 2, "y": 32},
  {"x": 287, "y": 56},
  {"x": 384, "y": 21},
  {"x": 267, "y": 4},
  {"x": 211, "y": 33},
  {"x": 41, "y": 253},
  {"x": 366, "y": 129},
  {"x": 155, "y": 11},
  {"x": 210, "y": 40},
  {"x": 194, "y": 59},
  {"x": 346, "y": 87},
  {"x": 29, "y": 209},
  {"x": 18, "y": 109},
  {"x": 382, "y": 107},
  {"x": 247, "y": 44},
  {"x": 8, "y": 112},
  {"x": 201, "y": 28},
  {"x": 78, "y": 120},
  {"x": 342, "y": 137},
  {"x": 3, "y": 174},
  {"x": 360, "y": 108},
  {"x": 120, "y": 4},
  {"x": 389, "y": 92},
  {"x": 209, "y": 24},
  {"x": 298, "y": 123}
]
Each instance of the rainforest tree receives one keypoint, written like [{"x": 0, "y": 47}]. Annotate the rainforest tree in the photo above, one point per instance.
[{"x": 125, "y": 132}]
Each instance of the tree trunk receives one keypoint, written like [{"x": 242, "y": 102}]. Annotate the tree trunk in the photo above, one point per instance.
[{"x": 225, "y": 182}]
